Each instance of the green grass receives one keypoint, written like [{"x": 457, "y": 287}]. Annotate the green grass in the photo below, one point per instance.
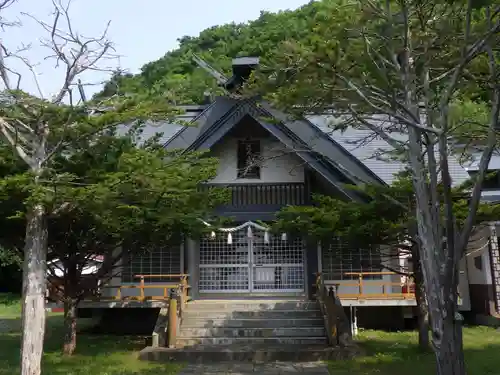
[
  {"x": 397, "y": 354},
  {"x": 9, "y": 306},
  {"x": 95, "y": 354},
  {"x": 386, "y": 353}
]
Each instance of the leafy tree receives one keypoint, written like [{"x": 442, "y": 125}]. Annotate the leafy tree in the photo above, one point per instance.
[
  {"x": 11, "y": 232},
  {"x": 38, "y": 128},
  {"x": 117, "y": 195},
  {"x": 385, "y": 222},
  {"x": 404, "y": 68},
  {"x": 110, "y": 193},
  {"x": 177, "y": 73}
]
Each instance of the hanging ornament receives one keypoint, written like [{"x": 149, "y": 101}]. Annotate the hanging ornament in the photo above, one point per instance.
[
  {"x": 266, "y": 237},
  {"x": 212, "y": 235},
  {"x": 229, "y": 239},
  {"x": 249, "y": 232},
  {"x": 283, "y": 237}
]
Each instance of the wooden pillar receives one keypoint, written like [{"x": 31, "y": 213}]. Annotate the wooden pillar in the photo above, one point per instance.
[
  {"x": 172, "y": 321},
  {"x": 193, "y": 257},
  {"x": 116, "y": 280},
  {"x": 312, "y": 266}
]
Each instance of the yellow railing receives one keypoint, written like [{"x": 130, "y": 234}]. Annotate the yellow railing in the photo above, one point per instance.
[
  {"x": 404, "y": 290},
  {"x": 180, "y": 287},
  {"x": 173, "y": 294}
]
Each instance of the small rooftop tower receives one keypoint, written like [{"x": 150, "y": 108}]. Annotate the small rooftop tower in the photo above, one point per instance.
[{"x": 242, "y": 69}]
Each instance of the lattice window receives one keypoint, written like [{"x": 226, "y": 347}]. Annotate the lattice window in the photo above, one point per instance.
[
  {"x": 339, "y": 259},
  {"x": 248, "y": 159},
  {"x": 155, "y": 262},
  {"x": 495, "y": 265}
]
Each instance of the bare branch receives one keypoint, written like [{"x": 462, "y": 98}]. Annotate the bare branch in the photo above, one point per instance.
[
  {"x": 379, "y": 109},
  {"x": 380, "y": 132},
  {"x": 17, "y": 55},
  {"x": 4, "y": 4},
  {"x": 76, "y": 52},
  {"x": 3, "y": 68}
]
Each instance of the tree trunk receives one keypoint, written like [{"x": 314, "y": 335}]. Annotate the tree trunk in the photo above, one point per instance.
[
  {"x": 449, "y": 350},
  {"x": 69, "y": 326},
  {"x": 422, "y": 317},
  {"x": 422, "y": 309},
  {"x": 34, "y": 286}
]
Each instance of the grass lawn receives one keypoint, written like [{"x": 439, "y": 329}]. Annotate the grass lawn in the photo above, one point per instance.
[
  {"x": 9, "y": 306},
  {"x": 95, "y": 355},
  {"x": 396, "y": 354},
  {"x": 387, "y": 353}
]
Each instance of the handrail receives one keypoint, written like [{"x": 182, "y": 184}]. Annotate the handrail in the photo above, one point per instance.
[
  {"x": 336, "y": 323},
  {"x": 407, "y": 287},
  {"x": 181, "y": 287},
  {"x": 174, "y": 296},
  {"x": 326, "y": 310},
  {"x": 180, "y": 275},
  {"x": 382, "y": 273}
]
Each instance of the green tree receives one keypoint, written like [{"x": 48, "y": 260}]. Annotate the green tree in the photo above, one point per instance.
[
  {"x": 385, "y": 222},
  {"x": 121, "y": 196},
  {"x": 108, "y": 193},
  {"x": 404, "y": 67},
  {"x": 38, "y": 128},
  {"x": 11, "y": 232},
  {"x": 177, "y": 73}
]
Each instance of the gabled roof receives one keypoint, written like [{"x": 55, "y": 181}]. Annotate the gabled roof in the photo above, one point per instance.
[
  {"x": 186, "y": 135},
  {"x": 326, "y": 146},
  {"x": 167, "y": 129},
  {"x": 354, "y": 154},
  {"x": 331, "y": 160}
]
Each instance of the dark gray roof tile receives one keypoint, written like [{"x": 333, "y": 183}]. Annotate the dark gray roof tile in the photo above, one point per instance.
[{"x": 375, "y": 152}]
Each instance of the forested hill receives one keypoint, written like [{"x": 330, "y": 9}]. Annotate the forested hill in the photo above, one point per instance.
[{"x": 177, "y": 75}]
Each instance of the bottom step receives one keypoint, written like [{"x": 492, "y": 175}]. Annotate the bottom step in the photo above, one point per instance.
[
  {"x": 251, "y": 353},
  {"x": 249, "y": 341}
]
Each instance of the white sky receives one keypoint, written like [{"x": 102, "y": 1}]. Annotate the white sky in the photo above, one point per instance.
[{"x": 142, "y": 31}]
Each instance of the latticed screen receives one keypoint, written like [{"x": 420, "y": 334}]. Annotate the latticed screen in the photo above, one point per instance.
[
  {"x": 224, "y": 266},
  {"x": 338, "y": 260},
  {"x": 251, "y": 261},
  {"x": 156, "y": 262},
  {"x": 278, "y": 264}
]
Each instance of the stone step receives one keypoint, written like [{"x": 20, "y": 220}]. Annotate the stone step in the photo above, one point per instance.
[
  {"x": 264, "y": 314},
  {"x": 200, "y": 322},
  {"x": 247, "y": 353},
  {"x": 252, "y": 332},
  {"x": 195, "y": 341},
  {"x": 252, "y": 305}
]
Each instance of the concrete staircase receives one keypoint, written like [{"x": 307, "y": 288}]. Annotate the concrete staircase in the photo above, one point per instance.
[
  {"x": 249, "y": 330},
  {"x": 290, "y": 322}
]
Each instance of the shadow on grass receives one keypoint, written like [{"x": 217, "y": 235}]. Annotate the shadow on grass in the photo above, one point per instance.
[
  {"x": 9, "y": 299},
  {"x": 398, "y": 353},
  {"x": 95, "y": 354}
]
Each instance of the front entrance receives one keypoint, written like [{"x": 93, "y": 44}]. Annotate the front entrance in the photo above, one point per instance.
[{"x": 247, "y": 259}]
